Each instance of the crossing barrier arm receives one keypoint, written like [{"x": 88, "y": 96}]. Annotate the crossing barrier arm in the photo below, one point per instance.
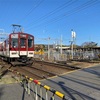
[{"x": 57, "y": 93}]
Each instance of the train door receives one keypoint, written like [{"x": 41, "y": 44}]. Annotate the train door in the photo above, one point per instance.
[
  {"x": 23, "y": 45},
  {"x": 30, "y": 46}
]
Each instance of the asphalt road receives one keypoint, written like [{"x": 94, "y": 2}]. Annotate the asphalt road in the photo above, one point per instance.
[
  {"x": 13, "y": 92},
  {"x": 79, "y": 85}
]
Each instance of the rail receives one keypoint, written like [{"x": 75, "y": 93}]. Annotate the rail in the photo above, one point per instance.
[
  {"x": 27, "y": 84},
  {"x": 56, "y": 64}
]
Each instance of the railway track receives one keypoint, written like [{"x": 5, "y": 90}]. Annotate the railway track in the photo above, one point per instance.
[
  {"x": 40, "y": 69},
  {"x": 4, "y": 68},
  {"x": 32, "y": 72},
  {"x": 55, "y": 64}
]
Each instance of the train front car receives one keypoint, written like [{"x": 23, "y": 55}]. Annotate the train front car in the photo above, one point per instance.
[{"x": 21, "y": 47}]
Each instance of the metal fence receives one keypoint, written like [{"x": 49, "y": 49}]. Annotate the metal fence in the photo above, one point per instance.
[{"x": 66, "y": 55}]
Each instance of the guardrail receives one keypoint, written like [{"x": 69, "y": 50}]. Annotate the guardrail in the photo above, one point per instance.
[{"x": 38, "y": 91}]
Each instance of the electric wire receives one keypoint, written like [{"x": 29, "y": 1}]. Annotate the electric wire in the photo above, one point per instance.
[
  {"x": 80, "y": 8},
  {"x": 68, "y": 3},
  {"x": 11, "y": 12},
  {"x": 75, "y": 10},
  {"x": 30, "y": 11}
]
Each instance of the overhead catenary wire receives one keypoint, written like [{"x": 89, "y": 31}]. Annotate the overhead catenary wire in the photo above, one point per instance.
[
  {"x": 68, "y": 3},
  {"x": 30, "y": 10},
  {"x": 12, "y": 11},
  {"x": 53, "y": 20},
  {"x": 70, "y": 12},
  {"x": 77, "y": 9},
  {"x": 9, "y": 12}
]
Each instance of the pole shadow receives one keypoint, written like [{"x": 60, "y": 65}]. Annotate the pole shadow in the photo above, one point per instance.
[
  {"x": 92, "y": 72},
  {"x": 1, "y": 92},
  {"x": 71, "y": 92}
]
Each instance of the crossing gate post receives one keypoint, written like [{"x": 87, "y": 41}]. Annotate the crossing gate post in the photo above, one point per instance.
[
  {"x": 52, "y": 98},
  {"x": 36, "y": 96},
  {"x": 46, "y": 94},
  {"x": 29, "y": 87},
  {"x": 33, "y": 88},
  {"x": 40, "y": 92},
  {"x": 24, "y": 82}
]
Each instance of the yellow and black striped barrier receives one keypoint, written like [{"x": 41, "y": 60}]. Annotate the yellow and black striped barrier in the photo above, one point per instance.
[{"x": 59, "y": 94}]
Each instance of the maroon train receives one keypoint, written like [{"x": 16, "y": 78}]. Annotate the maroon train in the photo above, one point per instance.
[{"x": 18, "y": 46}]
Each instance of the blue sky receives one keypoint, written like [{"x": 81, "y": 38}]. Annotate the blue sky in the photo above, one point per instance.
[{"x": 53, "y": 18}]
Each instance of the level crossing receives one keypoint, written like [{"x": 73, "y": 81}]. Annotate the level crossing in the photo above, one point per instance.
[{"x": 82, "y": 84}]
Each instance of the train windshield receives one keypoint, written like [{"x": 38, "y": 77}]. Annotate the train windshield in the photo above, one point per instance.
[
  {"x": 22, "y": 42},
  {"x": 30, "y": 42},
  {"x": 14, "y": 42}
]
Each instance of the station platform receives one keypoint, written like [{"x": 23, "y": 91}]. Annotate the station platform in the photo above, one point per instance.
[{"x": 82, "y": 84}]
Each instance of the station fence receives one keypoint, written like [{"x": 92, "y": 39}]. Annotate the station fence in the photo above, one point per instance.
[
  {"x": 38, "y": 90},
  {"x": 67, "y": 55}
]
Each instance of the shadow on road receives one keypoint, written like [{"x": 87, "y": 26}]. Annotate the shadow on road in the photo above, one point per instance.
[
  {"x": 92, "y": 71},
  {"x": 70, "y": 92},
  {"x": 1, "y": 92}
]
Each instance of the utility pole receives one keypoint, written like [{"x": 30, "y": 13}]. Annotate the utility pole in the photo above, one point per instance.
[
  {"x": 48, "y": 48},
  {"x": 61, "y": 45},
  {"x": 72, "y": 41}
]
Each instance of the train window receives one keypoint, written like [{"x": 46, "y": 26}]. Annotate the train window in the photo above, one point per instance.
[
  {"x": 14, "y": 42},
  {"x": 22, "y": 42},
  {"x": 30, "y": 43}
]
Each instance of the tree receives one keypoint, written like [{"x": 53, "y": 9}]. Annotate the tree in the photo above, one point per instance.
[{"x": 89, "y": 44}]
